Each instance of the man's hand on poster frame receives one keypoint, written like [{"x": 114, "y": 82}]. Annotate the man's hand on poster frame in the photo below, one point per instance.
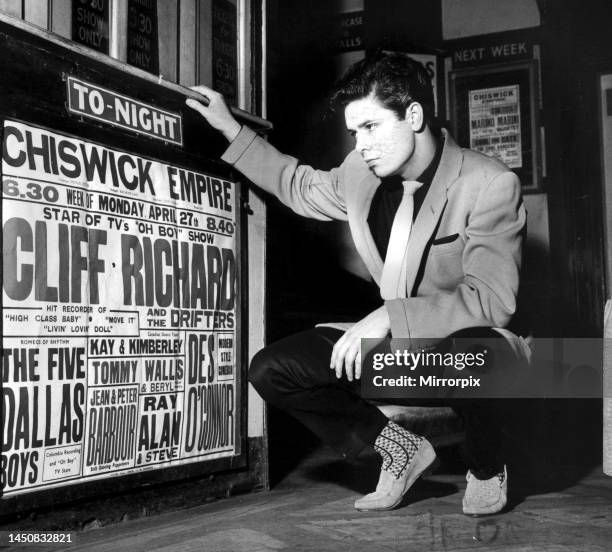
[{"x": 216, "y": 113}]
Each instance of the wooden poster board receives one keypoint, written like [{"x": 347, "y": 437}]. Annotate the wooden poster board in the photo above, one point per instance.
[{"x": 142, "y": 260}]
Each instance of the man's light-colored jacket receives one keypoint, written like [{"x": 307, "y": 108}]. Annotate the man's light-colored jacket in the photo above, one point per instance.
[{"x": 463, "y": 256}]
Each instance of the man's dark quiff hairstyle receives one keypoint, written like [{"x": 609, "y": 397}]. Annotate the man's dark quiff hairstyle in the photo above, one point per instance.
[{"x": 396, "y": 79}]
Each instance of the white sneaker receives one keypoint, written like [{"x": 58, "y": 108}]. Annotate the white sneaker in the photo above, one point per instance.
[
  {"x": 485, "y": 496},
  {"x": 390, "y": 491}
]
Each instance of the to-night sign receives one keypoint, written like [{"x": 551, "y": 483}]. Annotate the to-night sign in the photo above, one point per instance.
[{"x": 98, "y": 103}]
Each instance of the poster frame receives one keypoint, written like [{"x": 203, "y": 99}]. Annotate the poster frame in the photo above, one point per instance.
[
  {"x": 502, "y": 74},
  {"x": 39, "y": 497},
  {"x": 45, "y": 108}
]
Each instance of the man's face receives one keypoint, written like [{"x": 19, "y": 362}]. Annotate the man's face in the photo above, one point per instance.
[{"x": 385, "y": 142}]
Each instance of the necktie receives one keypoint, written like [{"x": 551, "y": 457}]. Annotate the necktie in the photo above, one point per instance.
[{"x": 392, "y": 285}]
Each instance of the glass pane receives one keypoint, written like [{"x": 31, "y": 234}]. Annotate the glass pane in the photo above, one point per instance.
[
  {"x": 142, "y": 38},
  {"x": 90, "y": 23}
]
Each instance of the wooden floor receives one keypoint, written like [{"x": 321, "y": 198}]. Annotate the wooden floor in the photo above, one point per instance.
[{"x": 311, "y": 509}]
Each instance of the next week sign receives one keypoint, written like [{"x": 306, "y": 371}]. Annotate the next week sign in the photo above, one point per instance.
[{"x": 95, "y": 102}]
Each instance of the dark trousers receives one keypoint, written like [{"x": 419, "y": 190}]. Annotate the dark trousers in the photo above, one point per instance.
[{"x": 293, "y": 374}]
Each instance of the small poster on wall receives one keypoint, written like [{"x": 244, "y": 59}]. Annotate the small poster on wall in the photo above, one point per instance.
[
  {"x": 495, "y": 123},
  {"x": 494, "y": 110}
]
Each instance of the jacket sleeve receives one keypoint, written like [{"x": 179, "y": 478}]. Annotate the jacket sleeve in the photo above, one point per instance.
[
  {"x": 309, "y": 192},
  {"x": 486, "y": 296}
]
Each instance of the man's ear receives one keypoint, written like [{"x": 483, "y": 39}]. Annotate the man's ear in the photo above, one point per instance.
[{"x": 415, "y": 116}]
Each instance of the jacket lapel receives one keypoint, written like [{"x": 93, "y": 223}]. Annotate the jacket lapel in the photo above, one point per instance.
[
  {"x": 431, "y": 210},
  {"x": 359, "y": 198},
  {"x": 358, "y": 207}
]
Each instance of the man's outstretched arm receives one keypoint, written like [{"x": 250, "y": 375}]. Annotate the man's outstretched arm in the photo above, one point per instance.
[{"x": 309, "y": 192}]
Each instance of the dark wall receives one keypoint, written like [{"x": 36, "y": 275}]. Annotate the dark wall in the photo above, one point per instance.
[
  {"x": 305, "y": 281},
  {"x": 576, "y": 47},
  {"x": 306, "y": 284},
  {"x": 410, "y": 26}
]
